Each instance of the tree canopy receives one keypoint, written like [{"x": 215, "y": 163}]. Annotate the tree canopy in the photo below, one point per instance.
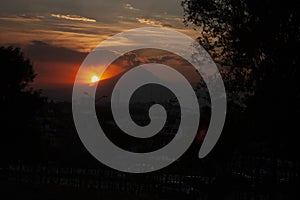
[
  {"x": 17, "y": 70},
  {"x": 20, "y": 105},
  {"x": 264, "y": 37}
]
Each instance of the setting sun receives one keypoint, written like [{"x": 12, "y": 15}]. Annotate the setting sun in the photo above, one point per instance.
[{"x": 94, "y": 79}]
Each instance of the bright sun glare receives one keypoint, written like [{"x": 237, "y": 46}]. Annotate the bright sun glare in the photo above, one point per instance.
[{"x": 94, "y": 79}]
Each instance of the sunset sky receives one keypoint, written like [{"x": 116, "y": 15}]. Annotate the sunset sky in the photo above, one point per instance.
[{"x": 58, "y": 34}]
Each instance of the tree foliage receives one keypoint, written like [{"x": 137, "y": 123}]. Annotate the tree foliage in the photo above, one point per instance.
[
  {"x": 20, "y": 105},
  {"x": 264, "y": 37},
  {"x": 246, "y": 32},
  {"x": 17, "y": 70}
]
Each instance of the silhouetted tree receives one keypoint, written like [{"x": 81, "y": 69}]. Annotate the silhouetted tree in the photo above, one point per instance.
[
  {"x": 261, "y": 35},
  {"x": 264, "y": 37},
  {"x": 20, "y": 136},
  {"x": 17, "y": 70}
]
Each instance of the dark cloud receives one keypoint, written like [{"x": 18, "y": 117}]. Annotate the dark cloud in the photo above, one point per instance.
[{"x": 41, "y": 51}]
